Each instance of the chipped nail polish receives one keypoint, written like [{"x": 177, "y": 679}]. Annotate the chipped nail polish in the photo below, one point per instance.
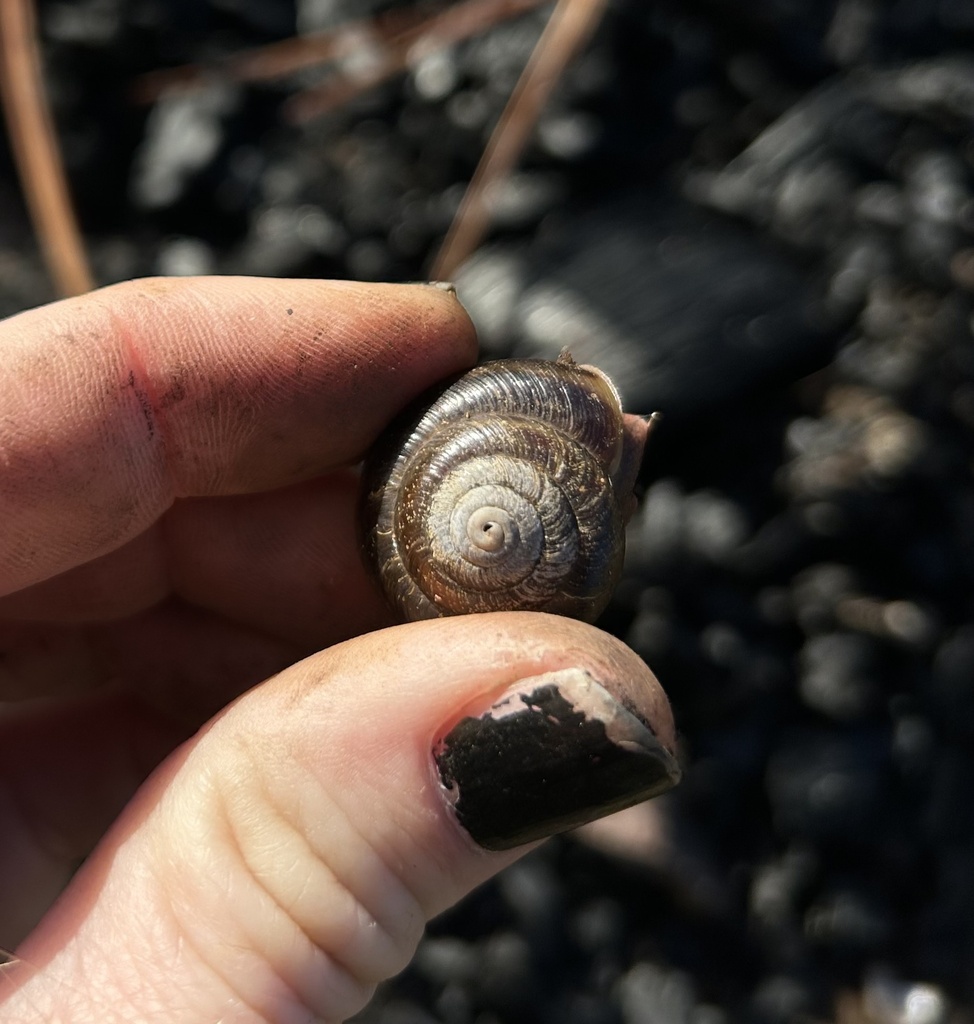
[{"x": 555, "y": 751}]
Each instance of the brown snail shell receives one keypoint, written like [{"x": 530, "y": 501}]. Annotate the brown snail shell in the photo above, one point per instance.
[{"x": 505, "y": 489}]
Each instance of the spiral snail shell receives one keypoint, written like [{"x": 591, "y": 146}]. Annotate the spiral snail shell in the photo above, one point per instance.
[{"x": 505, "y": 489}]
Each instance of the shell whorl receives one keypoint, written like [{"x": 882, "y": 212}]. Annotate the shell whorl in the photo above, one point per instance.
[{"x": 497, "y": 494}]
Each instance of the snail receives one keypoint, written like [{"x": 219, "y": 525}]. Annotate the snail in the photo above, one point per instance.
[{"x": 507, "y": 488}]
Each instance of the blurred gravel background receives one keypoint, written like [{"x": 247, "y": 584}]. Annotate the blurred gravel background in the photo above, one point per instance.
[{"x": 758, "y": 215}]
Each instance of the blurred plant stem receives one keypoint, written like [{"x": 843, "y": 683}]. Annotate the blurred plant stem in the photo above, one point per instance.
[
  {"x": 572, "y": 22},
  {"x": 31, "y": 130}
]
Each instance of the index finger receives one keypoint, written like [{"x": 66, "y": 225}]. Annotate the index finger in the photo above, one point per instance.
[{"x": 116, "y": 403}]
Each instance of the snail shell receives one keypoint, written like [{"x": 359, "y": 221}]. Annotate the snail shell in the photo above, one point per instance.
[{"x": 500, "y": 492}]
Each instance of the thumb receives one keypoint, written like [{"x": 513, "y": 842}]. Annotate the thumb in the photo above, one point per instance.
[{"x": 286, "y": 860}]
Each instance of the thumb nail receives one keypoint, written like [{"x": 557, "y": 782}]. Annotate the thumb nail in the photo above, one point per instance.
[{"x": 553, "y": 752}]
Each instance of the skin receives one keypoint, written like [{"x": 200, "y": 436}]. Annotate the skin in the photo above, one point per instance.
[{"x": 178, "y": 515}]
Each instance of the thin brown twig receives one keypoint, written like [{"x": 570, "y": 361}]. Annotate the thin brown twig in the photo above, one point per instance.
[
  {"x": 275, "y": 60},
  {"x": 388, "y": 40},
  {"x": 451, "y": 26},
  {"x": 31, "y": 130},
  {"x": 571, "y": 24}
]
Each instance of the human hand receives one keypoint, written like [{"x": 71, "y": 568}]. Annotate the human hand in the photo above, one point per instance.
[{"x": 177, "y": 525}]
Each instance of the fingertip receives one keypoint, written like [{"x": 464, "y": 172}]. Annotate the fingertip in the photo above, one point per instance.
[
  {"x": 288, "y": 856},
  {"x": 507, "y": 646},
  {"x": 446, "y": 309}
]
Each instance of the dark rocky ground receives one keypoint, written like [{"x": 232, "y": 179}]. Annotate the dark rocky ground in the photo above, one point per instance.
[{"x": 759, "y": 216}]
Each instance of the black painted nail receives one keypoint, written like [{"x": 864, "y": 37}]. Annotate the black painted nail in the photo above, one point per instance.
[{"x": 554, "y": 752}]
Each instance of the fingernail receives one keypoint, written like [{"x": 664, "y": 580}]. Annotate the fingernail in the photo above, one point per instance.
[
  {"x": 555, "y": 751},
  {"x": 444, "y": 286}
]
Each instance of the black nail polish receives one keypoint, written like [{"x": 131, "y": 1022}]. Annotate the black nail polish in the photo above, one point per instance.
[{"x": 554, "y": 752}]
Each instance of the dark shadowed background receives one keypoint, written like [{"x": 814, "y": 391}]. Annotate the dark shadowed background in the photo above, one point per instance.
[{"x": 757, "y": 215}]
